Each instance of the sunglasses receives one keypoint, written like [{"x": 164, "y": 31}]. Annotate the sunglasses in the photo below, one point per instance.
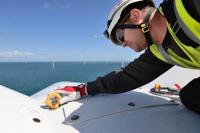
[{"x": 119, "y": 34}]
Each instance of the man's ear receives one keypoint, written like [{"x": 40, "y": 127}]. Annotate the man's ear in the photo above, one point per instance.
[{"x": 135, "y": 15}]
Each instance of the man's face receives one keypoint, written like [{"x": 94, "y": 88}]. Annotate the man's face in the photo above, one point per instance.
[{"x": 135, "y": 39}]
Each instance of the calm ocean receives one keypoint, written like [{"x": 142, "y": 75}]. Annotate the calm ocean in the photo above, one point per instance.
[{"x": 30, "y": 77}]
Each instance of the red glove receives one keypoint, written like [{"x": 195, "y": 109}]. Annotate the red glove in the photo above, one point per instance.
[{"x": 72, "y": 93}]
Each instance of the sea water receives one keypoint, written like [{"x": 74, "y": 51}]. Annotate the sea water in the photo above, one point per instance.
[{"x": 31, "y": 77}]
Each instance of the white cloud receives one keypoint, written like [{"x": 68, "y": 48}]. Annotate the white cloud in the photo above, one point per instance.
[{"x": 16, "y": 54}]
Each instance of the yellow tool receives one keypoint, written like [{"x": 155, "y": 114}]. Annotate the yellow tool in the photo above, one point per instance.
[
  {"x": 157, "y": 87},
  {"x": 53, "y": 100}
]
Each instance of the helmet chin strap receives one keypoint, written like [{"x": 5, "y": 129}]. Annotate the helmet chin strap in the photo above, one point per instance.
[{"x": 143, "y": 26}]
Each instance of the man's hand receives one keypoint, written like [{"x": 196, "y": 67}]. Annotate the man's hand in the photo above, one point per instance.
[{"x": 71, "y": 93}]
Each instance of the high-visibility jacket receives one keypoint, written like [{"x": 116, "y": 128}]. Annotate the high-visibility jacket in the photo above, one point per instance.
[
  {"x": 151, "y": 64},
  {"x": 190, "y": 27}
]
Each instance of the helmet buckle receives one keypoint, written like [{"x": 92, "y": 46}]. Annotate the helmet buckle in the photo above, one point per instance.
[{"x": 144, "y": 27}]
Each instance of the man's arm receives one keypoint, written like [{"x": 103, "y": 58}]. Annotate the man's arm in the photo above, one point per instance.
[{"x": 139, "y": 72}]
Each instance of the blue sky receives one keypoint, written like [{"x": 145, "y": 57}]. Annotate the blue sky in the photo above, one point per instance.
[{"x": 59, "y": 30}]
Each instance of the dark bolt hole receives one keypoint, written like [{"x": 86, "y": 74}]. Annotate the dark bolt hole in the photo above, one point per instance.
[
  {"x": 75, "y": 117},
  {"x": 131, "y": 104},
  {"x": 36, "y": 120}
]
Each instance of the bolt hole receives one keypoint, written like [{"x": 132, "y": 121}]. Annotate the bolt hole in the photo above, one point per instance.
[
  {"x": 36, "y": 120},
  {"x": 131, "y": 104},
  {"x": 75, "y": 117}
]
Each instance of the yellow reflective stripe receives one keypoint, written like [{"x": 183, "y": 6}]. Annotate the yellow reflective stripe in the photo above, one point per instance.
[
  {"x": 156, "y": 52},
  {"x": 191, "y": 52},
  {"x": 178, "y": 42},
  {"x": 182, "y": 62},
  {"x": 187, "y": 20}
]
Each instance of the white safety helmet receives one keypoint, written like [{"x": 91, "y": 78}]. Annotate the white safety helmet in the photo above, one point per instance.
[{"x": 116, "y": 16}]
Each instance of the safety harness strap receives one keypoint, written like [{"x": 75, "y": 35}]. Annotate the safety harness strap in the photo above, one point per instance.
[{"x": 145, "y": 26}]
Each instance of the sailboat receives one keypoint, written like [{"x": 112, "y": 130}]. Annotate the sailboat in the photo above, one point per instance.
[{"x": 137, "y": 111}]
